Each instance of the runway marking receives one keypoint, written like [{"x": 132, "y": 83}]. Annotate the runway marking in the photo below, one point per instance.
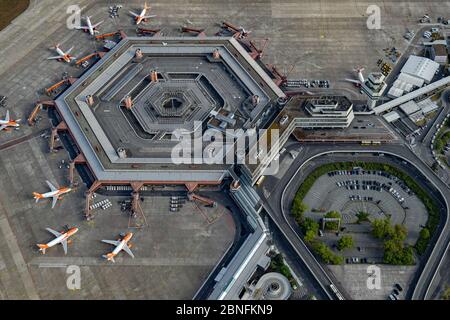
[
  {"x": 19, "y": 261},
  {"x": 63, "y": 262}
]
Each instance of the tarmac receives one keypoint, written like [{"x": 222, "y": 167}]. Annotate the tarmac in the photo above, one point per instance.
[
  {"x": 174, "y": 254},
  {"x": 317, "y": 40}
]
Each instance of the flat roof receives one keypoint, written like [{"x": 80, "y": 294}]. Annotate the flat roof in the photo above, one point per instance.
[
  {"x": 412, "y": 95},
  {"x": 95, "y": 144},
  {"x": 409, "y": 107},
  {"x": 420, "y": 67},
  {"x": 391, "y": 116}
]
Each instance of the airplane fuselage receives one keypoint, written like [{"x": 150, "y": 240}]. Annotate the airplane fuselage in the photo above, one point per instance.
[
  {"x": 58, "y": 193},
  {"x": 64, "y": 56},
  {"x": 62, "y": 237},
  {"x": 122, "y": 244},
  {"x": 140, "y": 18},
  {"x": 10, "y": 123},
  {"x": 91, "y": 28}
]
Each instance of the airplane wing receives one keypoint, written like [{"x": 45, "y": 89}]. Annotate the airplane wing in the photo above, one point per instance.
[
  {"x": 134, "y": 14},
  {"x": 128, "y": 250},
  {"x": 55, "y": 199},
  {"x": 352, "y": 80},
  {"x": 54, "y": 57},
  {"x": 68, "y": 51},
  {"x": 7, "y": 115},
  {"x": 114, "y": 243},
  {"x": 55, "y": 233},
  {"x": 3, "y": 127},
  {"x": 51, "y": 186},
  {"x": 64, "y": 244},
  {"x": 97, "y": 24},
  {"x": 81, "y": 28},
  {"x": 150, "y": 16}
]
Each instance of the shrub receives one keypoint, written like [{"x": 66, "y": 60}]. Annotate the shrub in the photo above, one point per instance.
[
  {"x": 381, "y": 228},
  {"x": 326, "y": 253},
  {"x": 422, "y": 242},
  {"x": 346, "y": 242},
  {"x": 396, "y": 253},
  {"x": 298, "y": 209},
  {"x": 362, "y": 216}
]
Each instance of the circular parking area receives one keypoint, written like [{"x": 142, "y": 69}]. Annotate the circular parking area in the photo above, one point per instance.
[{"x": 377, "y": 194}]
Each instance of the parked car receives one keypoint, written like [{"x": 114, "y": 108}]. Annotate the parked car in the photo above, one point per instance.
[{"x": 398, "y": 287}]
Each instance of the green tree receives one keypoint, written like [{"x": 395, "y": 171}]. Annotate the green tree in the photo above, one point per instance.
[
  {"x": 334, "y": 224},
  {"x": 310, "y": 224},
  {"x": 346, "y": 242},
  {"x": 310, "y": 228},
  {"x": 381, "y": 228},
  {"x": 299, "y": 209},
  {"x": 399, "y": 232},
  {"x": 326, "y": 253},
  {"x": 310, "y": 236},
  {"x": 446, "y": 294},
  {"x": 396, "y": 253},
  {"x": 422, "y": 242},
  {"x": 425, "y": 233},
  {"x": 362, "y": 216}
]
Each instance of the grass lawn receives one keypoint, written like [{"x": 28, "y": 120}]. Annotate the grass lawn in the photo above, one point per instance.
[{"x": 10, "y": 9}]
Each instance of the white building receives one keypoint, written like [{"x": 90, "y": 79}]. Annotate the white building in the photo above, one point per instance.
[
  {"x": 326, "y": 112},
  {"x": 416, "y": 111},
  {"x": 421, "y": 68},
  {"x": 374, "y": 87},
  {"x": 409, "y": 107},
  {"x": 416, "y": 72},
  {"x": 391, "y": 116}
]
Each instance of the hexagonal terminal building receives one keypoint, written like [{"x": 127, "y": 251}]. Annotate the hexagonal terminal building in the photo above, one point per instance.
[{"x": 129, "y": 112}]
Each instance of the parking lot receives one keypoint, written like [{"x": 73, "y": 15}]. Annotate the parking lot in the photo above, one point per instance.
[
  {"x": 354, "y": 278},
  {"x": 305, "y": 36},
  {"x": 376, "y": 193}
]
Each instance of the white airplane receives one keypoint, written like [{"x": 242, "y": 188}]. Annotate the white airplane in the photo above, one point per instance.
[
  {"x": 142, "y": 17},
  {"x": 360, "y": 80},
  {"x": 91, "y": 28},
  {"x": 60, "y": 238},
  {"x": 8, "y": 123},
  {"x": 55, "y": 193},
  {"x": 121, "y": 244},
  {"x": 62, "y": 56}
]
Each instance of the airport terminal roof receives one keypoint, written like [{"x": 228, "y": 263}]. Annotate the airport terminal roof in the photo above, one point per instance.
[{"x": 99, "y": 146}]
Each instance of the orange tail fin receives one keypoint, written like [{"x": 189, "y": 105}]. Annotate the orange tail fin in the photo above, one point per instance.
[
  {"x": 37, "y": 196},
  {"x": 42, "y": 247},
  {"x": 109, "y": 257}
]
